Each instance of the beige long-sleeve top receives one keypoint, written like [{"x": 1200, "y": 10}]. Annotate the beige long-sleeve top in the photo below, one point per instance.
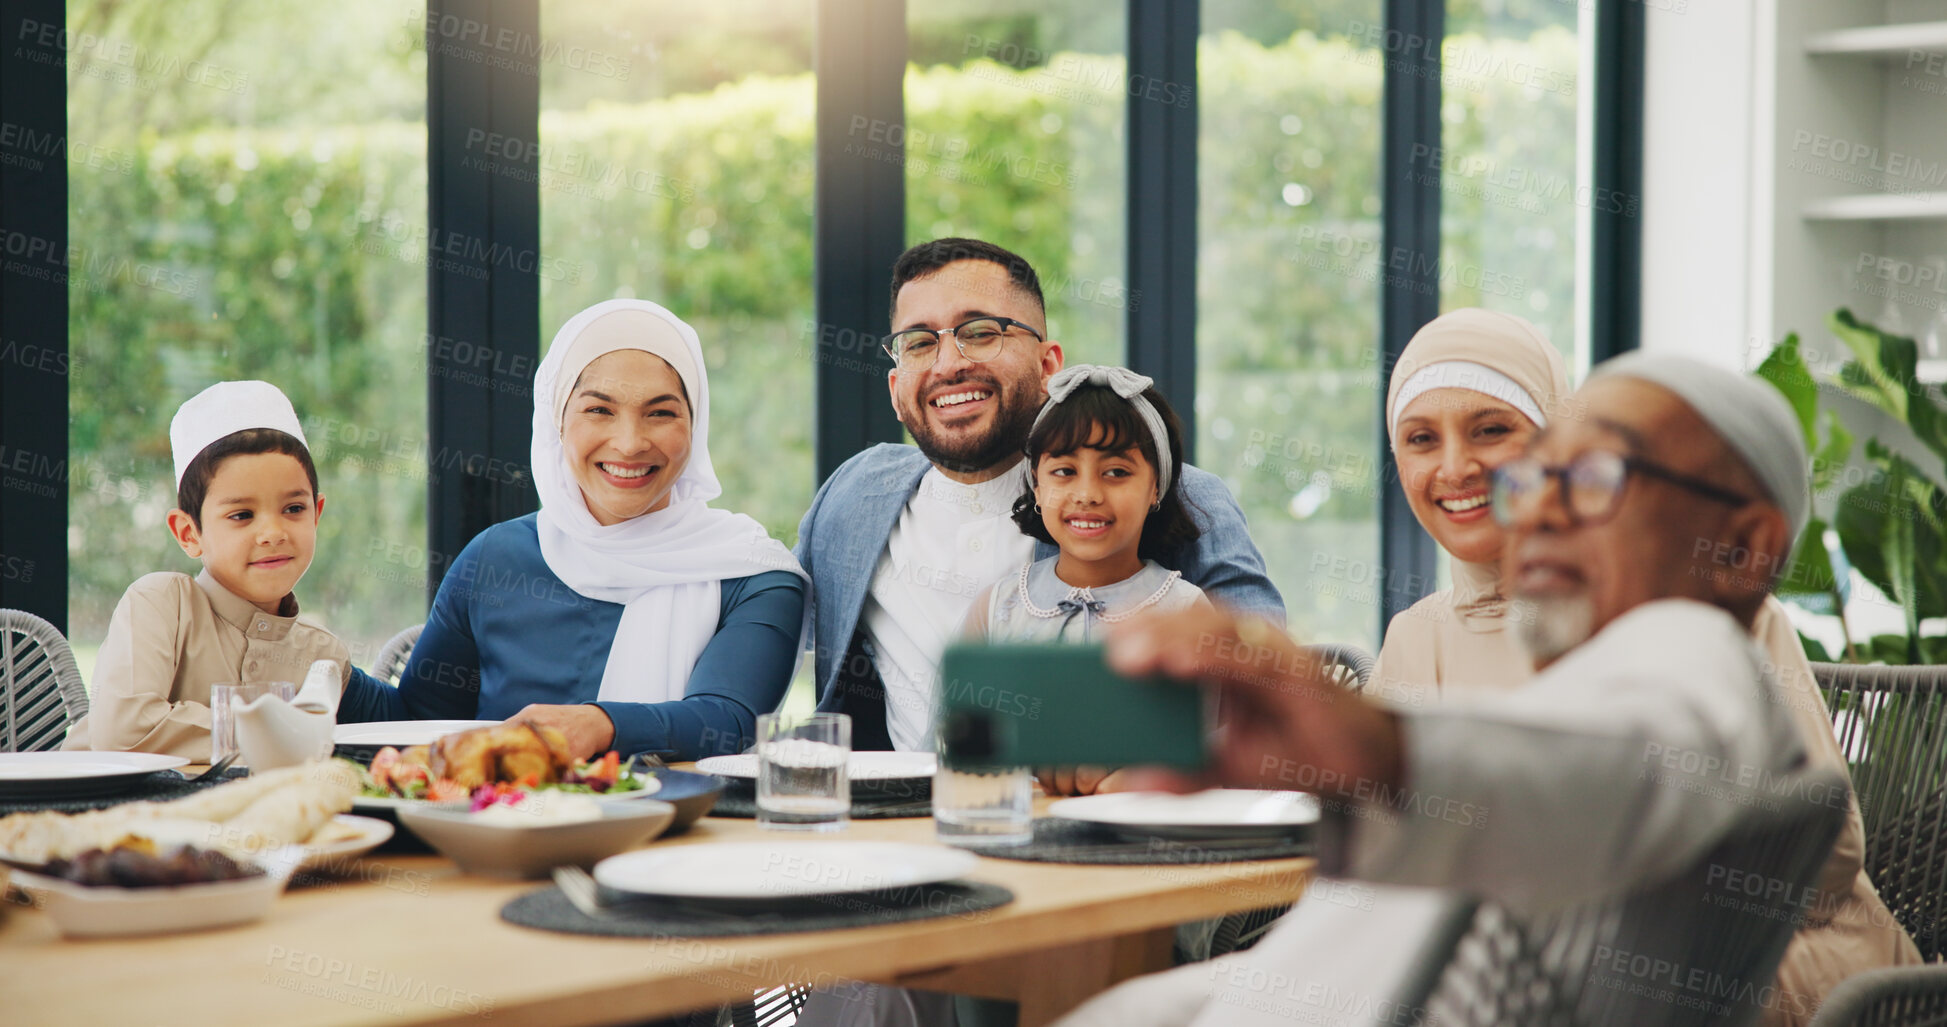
[
  {"x": 1457, "y": 642},
  {"x": 170, "y": 639}
]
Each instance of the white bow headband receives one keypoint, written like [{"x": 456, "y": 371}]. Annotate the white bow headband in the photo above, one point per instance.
[{"x": 1125, "y": 383}]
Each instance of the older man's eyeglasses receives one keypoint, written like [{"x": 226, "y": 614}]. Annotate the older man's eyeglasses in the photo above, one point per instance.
[
  {"x": 1592, "y": 486},
  {"x": 979, "y": 339}
]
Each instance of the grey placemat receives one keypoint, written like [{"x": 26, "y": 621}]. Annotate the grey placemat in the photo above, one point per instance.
[
  {"x": 1071, "y": 841},
  {"x": 549, "y": 910},
  {"x": 160, "y": 786},
  {"x": 744, "y": 807}
]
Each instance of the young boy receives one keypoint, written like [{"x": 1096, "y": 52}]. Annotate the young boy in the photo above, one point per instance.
[{"x": 247, "y": 507}]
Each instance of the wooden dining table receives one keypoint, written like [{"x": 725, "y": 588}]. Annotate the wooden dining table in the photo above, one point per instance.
[{"x": 406, "y": 938}]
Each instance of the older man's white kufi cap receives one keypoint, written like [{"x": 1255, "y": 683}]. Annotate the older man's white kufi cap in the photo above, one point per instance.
[
  {"x": 225, "y": 409},
  {"x": 1746, "y": 412}
]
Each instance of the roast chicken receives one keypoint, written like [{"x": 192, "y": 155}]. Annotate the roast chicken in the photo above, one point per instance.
[{"x": 504, "y": 752}]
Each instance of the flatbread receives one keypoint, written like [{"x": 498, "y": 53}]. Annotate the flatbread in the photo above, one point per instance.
[
  {"x": 274, "y": 808},
  {"x": 294, "y": 812}
]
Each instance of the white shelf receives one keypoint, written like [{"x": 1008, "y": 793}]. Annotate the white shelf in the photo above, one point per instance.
[
  {"x": 1880, "y": 42},
  {"x": 1878, "y": 207}
]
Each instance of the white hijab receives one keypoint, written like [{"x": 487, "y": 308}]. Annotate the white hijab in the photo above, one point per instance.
[{"x": 664, "y": 567}]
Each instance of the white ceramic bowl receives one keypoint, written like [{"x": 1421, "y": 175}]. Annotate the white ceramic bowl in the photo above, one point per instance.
[
  {"x": 105, "y": 911},
  {"x": 502, "y": 850}
]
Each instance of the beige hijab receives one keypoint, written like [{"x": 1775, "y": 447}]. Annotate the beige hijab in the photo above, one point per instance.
[{"x": 1457, "y": 637}]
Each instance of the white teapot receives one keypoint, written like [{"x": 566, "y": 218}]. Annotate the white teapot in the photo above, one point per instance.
[{"x": 272, "y": 733}]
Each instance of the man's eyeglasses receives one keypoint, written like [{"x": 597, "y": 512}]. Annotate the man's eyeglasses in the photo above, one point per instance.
[
  {"x": 1592, "y": 486},
  {"x": 915, "y": 349}
]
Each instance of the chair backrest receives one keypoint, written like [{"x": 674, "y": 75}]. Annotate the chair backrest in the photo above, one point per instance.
[
  {"x": 1890, "y": 996},
  {"x": 1701, "y": 947},
  {"x": 41, "y": 691},
  {"x": 1892, "y": 724},
  {"x": 391, "y": 660},
  {"x": 1353, "y": 664}
]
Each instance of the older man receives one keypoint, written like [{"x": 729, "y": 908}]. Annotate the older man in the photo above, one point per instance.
[
  {"x": 900, "y": 539},
  {"x": 1645, "y": 533}
]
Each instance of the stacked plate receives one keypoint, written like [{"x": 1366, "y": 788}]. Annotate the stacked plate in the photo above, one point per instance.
[
  {"x": 873, "y": 774},
  {"x": 782, "y": 870},
  {"x": 76, "y": 775},
  {"x": 1217, "y": 813}
]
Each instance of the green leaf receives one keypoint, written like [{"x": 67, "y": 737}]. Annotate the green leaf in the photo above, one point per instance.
[
  {"x": 1878, "y": 361},
  {"x": 1890, "y": 527},
  {"x": 1830, "y": 458},
  {"x": 1888, "y": 649},
  {"x": 1814, "y": 649},
  {"x": 1785, "y": 369},
  {"x": 1809, "y": 571},
  {"x": 1889, "y": 378}
]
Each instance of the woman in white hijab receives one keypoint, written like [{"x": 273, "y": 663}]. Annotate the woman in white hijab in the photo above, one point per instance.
[
  {"x": 1466, "y": 395},
  {"x": 627, "y": 612}
]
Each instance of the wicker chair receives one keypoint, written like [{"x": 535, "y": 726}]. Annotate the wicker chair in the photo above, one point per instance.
[
  {"x": 391, "y": 661},
  {"x": 1351, "y": 665},
  {"x": 43, "y": 693},
  {"x": 1687, "y": 950},
  {"x": 1894, "y": 996},
  {"x": 1892, "y": 724},
  {"x": 1892, "y": 721}
]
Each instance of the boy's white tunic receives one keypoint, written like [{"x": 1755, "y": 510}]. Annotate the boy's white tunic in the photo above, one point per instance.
[{"x": 1612, "y": 769}]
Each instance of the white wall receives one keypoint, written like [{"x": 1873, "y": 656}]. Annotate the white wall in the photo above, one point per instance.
[{"x": 1701, "y": 123}]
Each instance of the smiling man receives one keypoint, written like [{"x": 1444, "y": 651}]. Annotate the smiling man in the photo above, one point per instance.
[{"x": 900, "y": 539}]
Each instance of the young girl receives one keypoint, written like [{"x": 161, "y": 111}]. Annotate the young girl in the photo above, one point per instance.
[{"x": 1103, "y": 459}]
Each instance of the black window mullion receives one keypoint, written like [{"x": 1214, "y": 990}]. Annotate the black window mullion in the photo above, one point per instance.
[
  {"x": 34, "y": 321},
  {"x": 1162, "y": 207},
  {"x": 1616, "y": 226},
  {"x": 858, "y": 219},
  {"x": 483, "y": 101},
  {"x": 1409, "y": 294}
]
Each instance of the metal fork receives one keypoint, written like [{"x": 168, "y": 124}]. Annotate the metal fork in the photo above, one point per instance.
[
  {"x": 580, "y": 889},
  {"x": 216, "y": 769},
  {"x": 585, "y": 895}
]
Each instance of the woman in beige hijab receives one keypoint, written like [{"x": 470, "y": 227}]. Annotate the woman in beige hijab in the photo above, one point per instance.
[{"x": 1466, "y": 395}]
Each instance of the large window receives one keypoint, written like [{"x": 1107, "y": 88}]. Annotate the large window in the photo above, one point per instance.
[
  {"x": 1288, "y": 296},
  {"x": 249, "y": 198},
  {"x": 1014, "y": 133},
  {"x": 676, "y": 167},
  {"x": 1514, "y": 198},
  {"x": 237, "y": 213}
]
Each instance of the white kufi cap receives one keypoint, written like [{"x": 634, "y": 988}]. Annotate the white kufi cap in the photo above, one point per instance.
[
  {"x": 1747, "y": 413},
  {"x": 225, "y": 409}
]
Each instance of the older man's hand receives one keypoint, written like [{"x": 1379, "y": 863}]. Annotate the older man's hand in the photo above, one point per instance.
[
  {"x": 587, "y": 728},
  {"x": 1083, "y": 780},
  {"x": 1286, "y": 725}
]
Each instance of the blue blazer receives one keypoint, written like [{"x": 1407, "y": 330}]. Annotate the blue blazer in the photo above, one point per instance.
[{"x": 852, "y": 516}]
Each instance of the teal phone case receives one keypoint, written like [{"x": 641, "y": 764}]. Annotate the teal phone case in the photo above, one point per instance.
[{"x": 1052, "y": 704}]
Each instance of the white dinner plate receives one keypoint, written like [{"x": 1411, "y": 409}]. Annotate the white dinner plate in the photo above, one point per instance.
[
  {"x": 401, "y": 733},
  {"x": 864, "y": 766},
  {"x": 47, "y": 775},
  {"x": 1217, "y": 813},
  {"x": 782, "y": 869},
  {"x": 347, "y": 837}
]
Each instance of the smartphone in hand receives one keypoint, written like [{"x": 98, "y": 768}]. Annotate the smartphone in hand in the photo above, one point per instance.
[{"x": 1060, "y": 705}]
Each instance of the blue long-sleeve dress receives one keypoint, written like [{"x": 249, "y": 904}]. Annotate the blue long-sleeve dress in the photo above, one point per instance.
[{"x": 505, "y": 631}]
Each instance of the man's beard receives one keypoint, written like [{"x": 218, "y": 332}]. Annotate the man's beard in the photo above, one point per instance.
[
  {"x": 1548, "y": 628},
  {"x": 1004, "y": 439}
]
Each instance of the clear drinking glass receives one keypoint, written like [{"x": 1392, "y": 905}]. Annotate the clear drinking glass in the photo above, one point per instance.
[
  {"x": 226, "y": 697},
  {"x": 802, "y": 782},
  {"x": 983, "y": 805}
]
